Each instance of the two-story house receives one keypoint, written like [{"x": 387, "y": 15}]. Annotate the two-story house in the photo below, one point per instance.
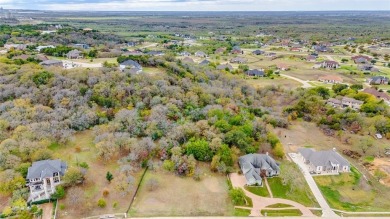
[{"x": 43, "y": 177}]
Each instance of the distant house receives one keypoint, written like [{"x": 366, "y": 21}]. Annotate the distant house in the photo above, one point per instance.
[
  {"x": 321, "y": 48},
  {"x": 43, "y": 177},
  {"x": 74, "y": 54},
  {"x": 311, "y": 58},
  {"x": 133, "y": 53},
  {"x": 204, "y": 62},
  {"x": 87, "y": 29},
  {"x": 50, "y": 63},
  {"x": 39, "y": 48},
  {"x": 81, "y": 46},
  {"x": 271, "y": 55},
  {"x": 201, "y": 54},
  {"x": 238, "y": 60},
  {"x": 256, "y": 166},
  {"x": 224, "y": 67},
  {"x": 378, "y": 94},
  {"x": 378, "y": 80},
  {"x": 255, "y": 73},
  {"x": 187, "y": 60},
  {"x": 131, "y": 44},
  {"x": 258, "y": 52},
  {"x": 155, "y": 53},
  {"x": 237, "y": 50},
  {"x": 15, "y": 46},
  {"x": 351, "y": 103},
  {"x": 185, "y": 53},
  {"x": 324, "y": 162},
  {"x": 220, "y": 50},
  {"x": 131, "y": 66},
  {"x": 360, "y": 59},
  {"x": 296, "y": 49},
  {"x": 331, "y": 79},
  {"x": 367, "y": 68},
  {"x": 283, "y": 67},
  {"x": 335, "y": 103},
  {"x": 330, "y": 64}
]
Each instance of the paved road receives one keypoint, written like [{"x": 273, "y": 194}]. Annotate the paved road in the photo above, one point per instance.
[
  {"x": 326, "y": 210},
  {"x": 259, "y": 203},
  {"x": 305, "y": 84}
]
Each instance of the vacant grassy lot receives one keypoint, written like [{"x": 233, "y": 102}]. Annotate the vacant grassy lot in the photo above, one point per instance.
[
  {"x": 258, "y": 190},
  {"x": 350, "y": 192},
  {"x": 82, "y": 149},
  {"x": 183, "y": 196},
  {"x": 281, "y": 213},
  {"x": 278, "y": 81}
]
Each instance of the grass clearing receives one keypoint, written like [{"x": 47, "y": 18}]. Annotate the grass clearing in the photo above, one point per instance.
[
  {"x": 284, "y": 191},
  {"x": 281, "y": 213},
  {"x": 279, "y": 205},
  {"x": 239, "y": 212},
  {"x": 183, "y": 196},
  {"x": 258, "y": 190},
  {"x": 277, "y": 81}
]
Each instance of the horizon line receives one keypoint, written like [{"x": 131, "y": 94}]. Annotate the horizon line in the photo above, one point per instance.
[{"x": 70, "y": 10}]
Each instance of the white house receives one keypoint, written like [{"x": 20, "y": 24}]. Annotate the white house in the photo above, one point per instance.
[
  {"x": 43, "y": 177},
  {"x": 324, "y": 162}
]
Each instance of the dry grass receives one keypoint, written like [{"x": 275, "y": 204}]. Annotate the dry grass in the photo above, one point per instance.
[
  {"x": 183, "y": 196},
  {"x": 264, "y": 82},
  {"x": 95, "y": 181}
]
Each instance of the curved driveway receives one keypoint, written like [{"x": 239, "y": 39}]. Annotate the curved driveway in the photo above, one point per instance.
[
  {"x": 259, "y": 203},
  {"x": 305, "y": 83}
]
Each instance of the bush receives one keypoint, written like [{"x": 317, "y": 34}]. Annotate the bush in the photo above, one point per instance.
[
  {"x": 84, "y": 165},
  {"x": 106, "y": 192},
  {"x": 115, "y": 205},
  {"x": 59, "y": 194},
  {"x": 62, "y": 206},
  {"x": 238, "y": 196},
  {"x": 169, "y": 165},
  {"x": 200, "y": 149},
  {"x": 101, "y": 203}
]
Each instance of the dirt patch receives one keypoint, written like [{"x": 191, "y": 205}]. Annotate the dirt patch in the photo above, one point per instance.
[
  {"x": 383, "y": 164},
  {"x": 47, "y": 210}
]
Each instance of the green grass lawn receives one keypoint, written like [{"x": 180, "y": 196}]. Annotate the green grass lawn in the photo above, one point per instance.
[
  {"x": 281, "y": 213},
  {"x": 279, "y": 205},
  {"x": 283, "y": 191},
  {"x": 258, "y": 190},
  {"x": 346, "y": 192},
  {"x": 238, "y": 212}
]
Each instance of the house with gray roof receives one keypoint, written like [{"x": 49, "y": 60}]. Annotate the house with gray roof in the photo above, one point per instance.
[
  {"x": 324, "y": 162},
  {"x": 225, "y": 67},
  {"x": 74, "y": 54},
  {"x": 130, "y": 65},
  {"x": 256, "y": 166},
  {"x": 43, "y": 177}
]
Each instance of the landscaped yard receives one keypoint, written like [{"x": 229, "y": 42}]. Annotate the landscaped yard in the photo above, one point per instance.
[
  {"x": 258, "y": 190},
  {"x": 279, "y": 190},
  {"x": 238, "y": 212},
  {"x": 183, "y": 196},
  {"x": 279, "y": 205},
  {"x": 281, "y": 213}
]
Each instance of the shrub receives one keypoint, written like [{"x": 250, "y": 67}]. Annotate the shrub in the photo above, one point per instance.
[
  {"x": 169, "y": 165},
  {"x": 238, "y": 196},
  {"x": 62, "y": 206},
  {"x": 84, "y": 165},
  {"x": 115, "y": 205},
  {"x": 106, "y": 192},
  {"x": 200, "y": 149},
  {"x": 59, "y": 194},
  {"x": 109, "y": 176},
  {"x": 101, "y": 203},
  {"x": 77, "y": 149}
]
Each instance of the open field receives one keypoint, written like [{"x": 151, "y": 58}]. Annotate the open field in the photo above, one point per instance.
[
  {"x": 278, "y": 81},
  {"x": 95, "y": 181},
  {"x": 178, "y": 196}
]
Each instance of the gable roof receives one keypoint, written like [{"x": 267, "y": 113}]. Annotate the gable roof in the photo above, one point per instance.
[
  {"x": 204, "y": 62},
  {"x": 323, "y": 158},
  {"x": 377, "y": 94},
  {"x": 131, "y": 63},
  {"x": 46, "y": 168},
  {"x": 252, "y": 164}
]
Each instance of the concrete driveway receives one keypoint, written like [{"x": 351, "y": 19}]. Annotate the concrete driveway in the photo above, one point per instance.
[
  {"x": 259, "y": 203},
  {"x": 305, "y": 84},
  {"x": 326, "y": 210}
]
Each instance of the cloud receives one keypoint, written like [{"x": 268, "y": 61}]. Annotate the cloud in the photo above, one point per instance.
[{"x": 201, "y": 5}]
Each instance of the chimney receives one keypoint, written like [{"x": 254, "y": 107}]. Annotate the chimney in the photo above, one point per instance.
[
  {"x": 266, "y": 153},
  {"x": 334, "y": 149}
]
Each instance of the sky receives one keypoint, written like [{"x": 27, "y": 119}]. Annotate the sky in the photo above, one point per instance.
[{"x": 197, "y": 5}]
